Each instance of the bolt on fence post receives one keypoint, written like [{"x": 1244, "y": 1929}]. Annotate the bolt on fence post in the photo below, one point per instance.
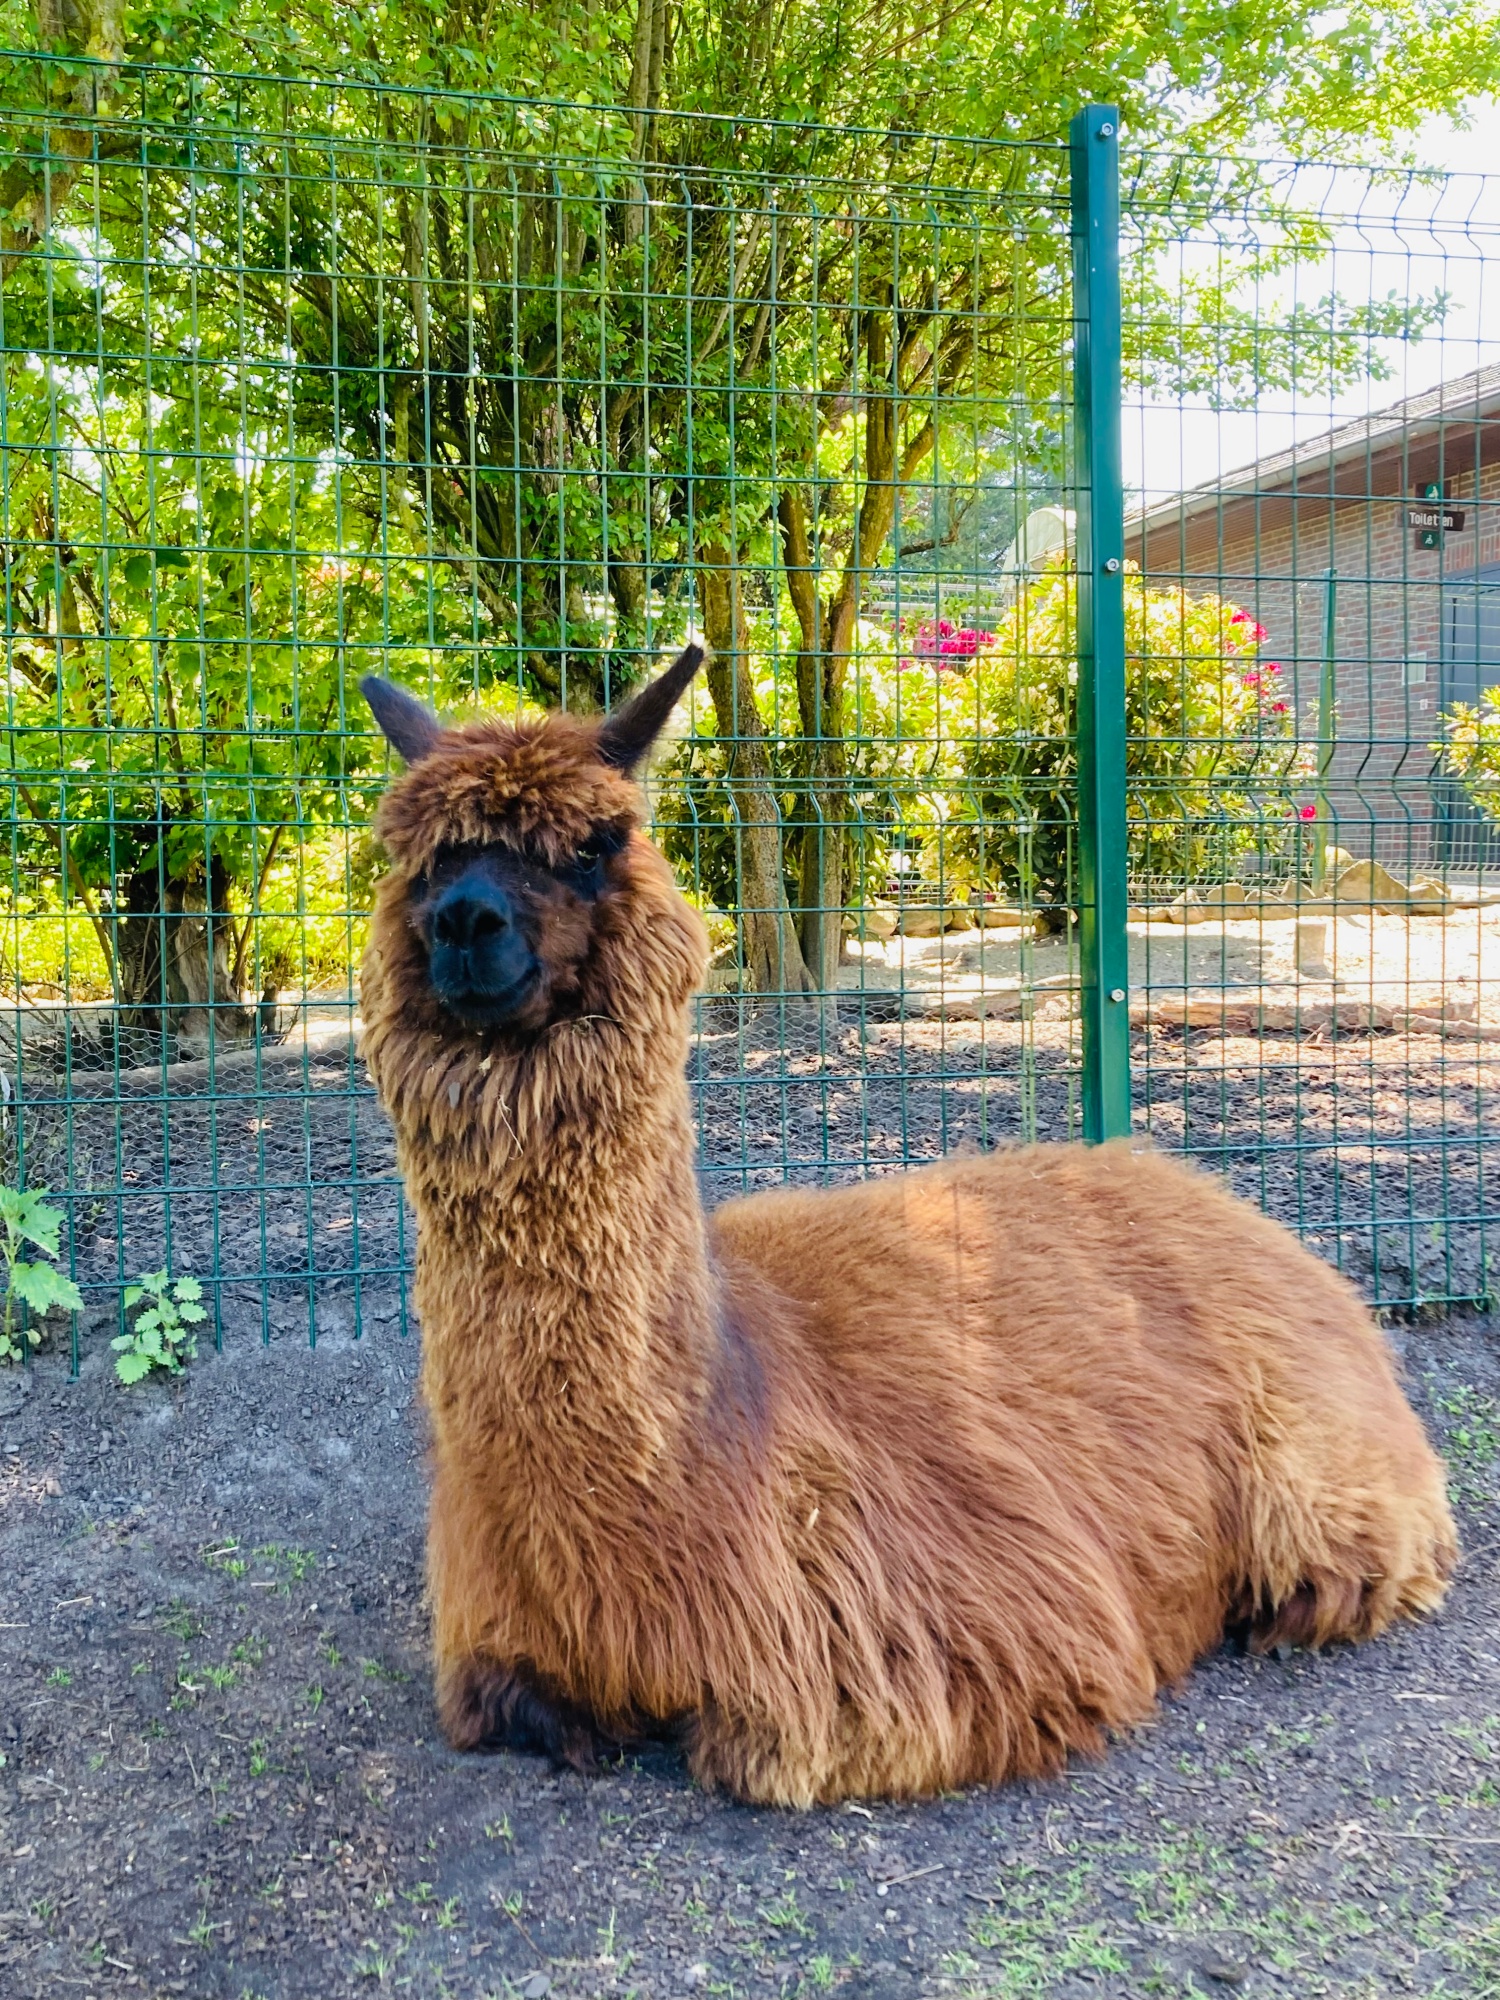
[{"x": 1103, "y": 940}]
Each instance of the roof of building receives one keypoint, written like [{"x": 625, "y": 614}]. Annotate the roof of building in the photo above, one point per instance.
[{"x": 1445, "y": 411}]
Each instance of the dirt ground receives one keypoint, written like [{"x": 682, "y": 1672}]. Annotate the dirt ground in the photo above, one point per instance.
[{"x": 221, "y": 1775}]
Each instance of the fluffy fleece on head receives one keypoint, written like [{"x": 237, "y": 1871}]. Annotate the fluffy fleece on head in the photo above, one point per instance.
[
  {"x": 543, "y": 786},
  {"x": 538, "y": 784}
]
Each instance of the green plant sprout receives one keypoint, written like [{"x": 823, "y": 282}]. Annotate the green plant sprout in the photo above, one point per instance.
[
  {"x": 27, "y": 1219},
  {"x": 166, "y": 1311}
]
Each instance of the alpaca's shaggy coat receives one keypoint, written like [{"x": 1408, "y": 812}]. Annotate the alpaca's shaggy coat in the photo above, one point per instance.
[{"x": 878, "y": 1490}]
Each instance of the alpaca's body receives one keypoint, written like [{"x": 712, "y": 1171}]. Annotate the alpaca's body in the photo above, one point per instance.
[{"x": 880, "y": 1489}]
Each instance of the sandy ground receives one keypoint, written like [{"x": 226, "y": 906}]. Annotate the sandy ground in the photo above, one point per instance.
[{"x": 1405, "y": 965}]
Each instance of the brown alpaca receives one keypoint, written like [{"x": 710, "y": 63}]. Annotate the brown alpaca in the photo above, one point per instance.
[{"x": 920, "y": 1483}]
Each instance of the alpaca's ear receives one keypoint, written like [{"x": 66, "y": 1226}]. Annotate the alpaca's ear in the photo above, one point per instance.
[
  {"x": 411, "y": 730},
  {"x": 627, "y": 735}
]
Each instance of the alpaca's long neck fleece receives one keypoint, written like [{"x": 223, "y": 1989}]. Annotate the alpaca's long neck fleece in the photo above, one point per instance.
[{"x": 564, "y": 1276}]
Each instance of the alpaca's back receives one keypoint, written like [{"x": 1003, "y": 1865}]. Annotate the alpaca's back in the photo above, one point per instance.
[{"x": 1206, "y": 1409}]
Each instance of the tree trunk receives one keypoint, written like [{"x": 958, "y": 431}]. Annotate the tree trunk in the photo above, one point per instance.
[
  {"x": 769, "y": 950},
  {"x": 828, "y": 634},
  {"x": 30, "y": 201},
  {"x": 820, "y": 841},
  {"x": 174, "y": 949}
]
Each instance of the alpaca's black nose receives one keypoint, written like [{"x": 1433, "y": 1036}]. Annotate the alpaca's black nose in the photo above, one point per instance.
[{"x": 468, "y": 918}]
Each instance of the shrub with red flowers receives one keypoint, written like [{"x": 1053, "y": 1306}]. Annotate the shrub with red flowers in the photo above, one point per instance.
[
  {"x": 1211, "y": 750},
  {"x": 939, "y": 643}
]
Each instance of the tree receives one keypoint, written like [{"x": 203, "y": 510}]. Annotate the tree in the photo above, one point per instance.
[
  {"x": 604, "y": 370},
  {"x": 186, "y": 601}
]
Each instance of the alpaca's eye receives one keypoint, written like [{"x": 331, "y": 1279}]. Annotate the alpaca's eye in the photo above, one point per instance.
[{"x": 589, "y": 855}]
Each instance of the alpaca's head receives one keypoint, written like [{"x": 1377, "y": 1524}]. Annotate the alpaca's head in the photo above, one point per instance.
[{"x": 522, "y": 891}]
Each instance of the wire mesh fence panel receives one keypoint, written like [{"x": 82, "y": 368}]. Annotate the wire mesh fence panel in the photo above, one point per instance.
[
  {"x": 501, "y": 401},
  {"x": 1317, "y": 904}
]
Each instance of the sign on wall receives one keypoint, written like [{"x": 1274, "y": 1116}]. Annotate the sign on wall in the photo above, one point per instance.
[{"x": 1433, "y": 522}]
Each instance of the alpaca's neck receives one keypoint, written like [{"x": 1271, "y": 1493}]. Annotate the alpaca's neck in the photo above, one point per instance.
[{"x": 576, "y": 1269}]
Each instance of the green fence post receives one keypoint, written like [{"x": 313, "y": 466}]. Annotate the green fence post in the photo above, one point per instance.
[{"x": 1103, "y": 941}]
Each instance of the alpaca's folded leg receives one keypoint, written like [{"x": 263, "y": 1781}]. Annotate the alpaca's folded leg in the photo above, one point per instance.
[
  {"x": 1341, "y": 1604},
  {"x": 1346, "y": 1561},
  {"x": 753, "y": 1759},
  {"x": 483, "y": 1705}
]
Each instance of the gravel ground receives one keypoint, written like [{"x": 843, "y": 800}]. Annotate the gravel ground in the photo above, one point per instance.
[{"x": 221, "y": 1775}]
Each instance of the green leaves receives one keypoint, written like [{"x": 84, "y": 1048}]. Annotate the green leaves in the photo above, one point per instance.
[
  {"x": 137, "y": 569},
  {"x": 161, "y": 1336},
  {"x": 1470, "y": 749},
  {"x": 26, "y": 1217},
  {"x": 1211, "y": 750},
  {"x": 45, "y": 1288}
]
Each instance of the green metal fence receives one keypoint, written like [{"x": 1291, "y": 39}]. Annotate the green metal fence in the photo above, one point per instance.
[{"x": 1015, "y": 791}]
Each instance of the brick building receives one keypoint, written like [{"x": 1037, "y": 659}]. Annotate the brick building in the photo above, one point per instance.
[{"x": 1417, "y": 626}]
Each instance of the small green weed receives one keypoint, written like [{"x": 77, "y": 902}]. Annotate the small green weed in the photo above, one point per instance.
[
  {"x": 1471, "y": 1443},
  {"x": 166, "y": 1311},
  {"x": 785, "y": 1915},
  {"x": 25, "y": 1218}
]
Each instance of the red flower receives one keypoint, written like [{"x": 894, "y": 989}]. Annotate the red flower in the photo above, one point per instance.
[{"x": 941, "y": 637}]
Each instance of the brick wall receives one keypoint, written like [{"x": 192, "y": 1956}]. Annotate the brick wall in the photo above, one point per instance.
[{"x": 1388, "y": 645}]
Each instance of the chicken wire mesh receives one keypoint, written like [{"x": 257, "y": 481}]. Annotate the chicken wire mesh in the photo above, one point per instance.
[{"x": 503, "y": 400}]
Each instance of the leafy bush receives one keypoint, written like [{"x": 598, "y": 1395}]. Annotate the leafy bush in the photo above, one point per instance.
[
  {"x": 1211, "y": 751},
  {"x": 961, "y": 744},
  {"x": 1470, "y": 750},
  {"x": 166, "y": 1311},
  {"x": 899, "y": 748},
  {"x": 26, "y": 1218}
]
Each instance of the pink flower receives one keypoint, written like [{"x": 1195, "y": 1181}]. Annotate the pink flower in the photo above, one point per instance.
[
  {"x": 1250, "y": 680},
  {"x": 941, "y": 637},
  {"x": 1278, "y": 708},
  {"x": 1256, "y": 633},
  {"x": 1307, "y": 812}
]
